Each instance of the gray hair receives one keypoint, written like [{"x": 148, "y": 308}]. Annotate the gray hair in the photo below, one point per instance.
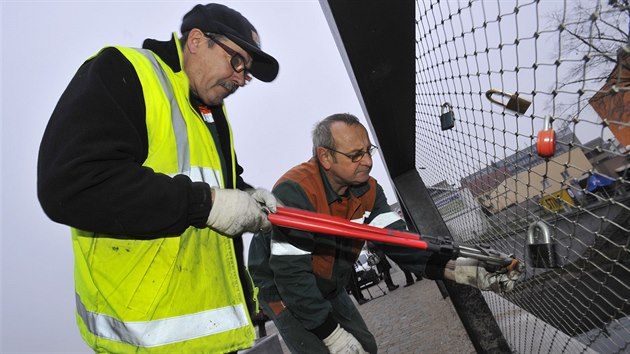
[
  {"x": 322, "y": 137},
  {"x": 184, "y": 38}
]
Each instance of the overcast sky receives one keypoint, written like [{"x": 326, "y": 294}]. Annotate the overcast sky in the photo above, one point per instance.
[{"x": 43, "y": 44}]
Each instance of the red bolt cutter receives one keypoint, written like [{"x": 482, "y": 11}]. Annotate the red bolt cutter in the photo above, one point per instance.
[{"x": 331, "y": 225}]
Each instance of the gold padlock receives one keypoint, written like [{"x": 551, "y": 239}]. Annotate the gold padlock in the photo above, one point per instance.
[{"x": 515, "y": 103}]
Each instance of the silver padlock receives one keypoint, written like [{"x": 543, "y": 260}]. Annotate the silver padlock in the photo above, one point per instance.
[
  {"x": 447, "y": 118},
  {"x": 541, "y": 248}
]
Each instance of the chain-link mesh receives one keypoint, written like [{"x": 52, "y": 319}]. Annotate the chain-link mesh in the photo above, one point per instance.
[{"x": 494, "y": 82}]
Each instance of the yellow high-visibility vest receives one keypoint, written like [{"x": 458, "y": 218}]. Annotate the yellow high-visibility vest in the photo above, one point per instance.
[{"x": 179, "y": 294}]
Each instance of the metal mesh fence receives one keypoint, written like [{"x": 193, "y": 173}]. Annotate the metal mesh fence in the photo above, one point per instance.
[{"x": 523, "y": 137}]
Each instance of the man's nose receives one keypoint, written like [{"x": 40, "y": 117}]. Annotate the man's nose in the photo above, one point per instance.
[
  {"x": 366, "y": 160},
  {"x": 242, "y": 78}
]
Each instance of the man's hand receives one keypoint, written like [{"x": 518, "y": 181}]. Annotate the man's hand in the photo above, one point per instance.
[
  {"x": 234, "y": 211},
  {"x": 471, "y": 271},
  {"x": 265, "y": 198},
  {"x": 342, "y": 342}
]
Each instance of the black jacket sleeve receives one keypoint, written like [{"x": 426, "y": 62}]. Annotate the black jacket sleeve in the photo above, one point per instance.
[
  {"x": 240, "y": 183},
  {"x": 90, "y": 173}
]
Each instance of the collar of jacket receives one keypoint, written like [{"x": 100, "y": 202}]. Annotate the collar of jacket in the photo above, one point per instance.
[
  {"x": 331, "y": 196},
  {"x": 166, "y": 50}
]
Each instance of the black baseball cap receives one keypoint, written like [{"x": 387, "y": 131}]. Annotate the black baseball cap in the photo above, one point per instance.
[{"x": 220, "y": 19}]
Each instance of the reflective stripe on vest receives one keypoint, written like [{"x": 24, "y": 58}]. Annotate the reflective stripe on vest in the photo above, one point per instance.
[
  {"x": 165, "y": 331},
  {"x": 196, "y": 173},
  {"x": 179, "y": 124}
]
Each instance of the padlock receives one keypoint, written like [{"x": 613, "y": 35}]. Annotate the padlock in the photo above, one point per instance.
[
  {"x": 447, "y": 118},
  {"x": 546, "y": 145},
  {"x": 542, "y": 253},
  {"x": 515, "y": 103}
]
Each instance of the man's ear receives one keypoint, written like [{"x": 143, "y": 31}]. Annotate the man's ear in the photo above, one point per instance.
[
  {"x": 196, "y": 38},
  {"x": 324, "y": 157}
]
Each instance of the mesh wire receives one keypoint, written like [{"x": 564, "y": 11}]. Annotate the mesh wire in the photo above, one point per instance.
[{"x": 508, "y": 72}]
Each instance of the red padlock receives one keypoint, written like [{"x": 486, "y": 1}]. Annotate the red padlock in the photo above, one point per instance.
[{"x": 546, "y": 145}]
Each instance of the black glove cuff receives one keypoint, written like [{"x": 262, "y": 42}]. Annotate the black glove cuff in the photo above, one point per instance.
[
  {"x": 326, "y": 328},
  {"x": 435, "y": 266},
  {"x": 200, "y": 204}
]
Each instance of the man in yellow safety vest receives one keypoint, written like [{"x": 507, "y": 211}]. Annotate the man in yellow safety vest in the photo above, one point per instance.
[{"x": 138, "y": 159}]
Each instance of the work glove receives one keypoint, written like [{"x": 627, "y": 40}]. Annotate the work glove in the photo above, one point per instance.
[
  {"x": 234, "y": 212},
  {"x": 265, "y": 198},
  {"x": 471, "y": 271},
  {"x": 342, "y": 342}
]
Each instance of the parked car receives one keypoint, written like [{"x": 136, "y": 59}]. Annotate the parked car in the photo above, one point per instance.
[{"x": 365, "y": 266}]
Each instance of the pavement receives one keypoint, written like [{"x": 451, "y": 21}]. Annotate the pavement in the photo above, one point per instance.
[{"x": 410, "y": 320}]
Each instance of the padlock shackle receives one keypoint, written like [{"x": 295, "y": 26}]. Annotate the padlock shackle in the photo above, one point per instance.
[
  {"x": 545, "y": 231},
  {"x": 491, "y": 92},
  {"x": 547, "y": 123}
]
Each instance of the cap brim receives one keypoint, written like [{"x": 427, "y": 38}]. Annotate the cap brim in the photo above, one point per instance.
[{"x": 264, "y": 66}]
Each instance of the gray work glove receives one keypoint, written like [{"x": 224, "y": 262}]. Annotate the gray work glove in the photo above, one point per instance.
[
  {"x": 265, "y": 198},
  {"x": 472, "y": 272},
  {"x": 234, "y": 212},
  {"x": 342, "y": 342}
]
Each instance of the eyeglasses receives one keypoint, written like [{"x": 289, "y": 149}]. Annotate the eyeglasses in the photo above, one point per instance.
[
  {"x": 357, "y": 156},
  {"x": 237, "y": 61}
]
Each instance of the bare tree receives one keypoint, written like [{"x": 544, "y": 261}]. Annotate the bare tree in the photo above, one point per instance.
[{"x": 592, "y": 34}]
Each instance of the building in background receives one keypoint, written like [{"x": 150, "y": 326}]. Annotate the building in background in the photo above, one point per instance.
[{"x": 524, "y": 184}]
